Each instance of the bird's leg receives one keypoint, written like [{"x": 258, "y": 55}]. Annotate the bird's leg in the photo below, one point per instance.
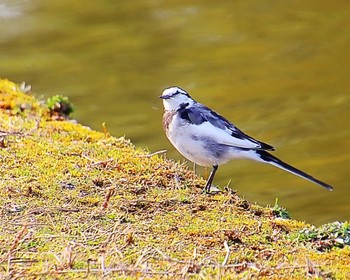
[{"x": 210, "y": 179}]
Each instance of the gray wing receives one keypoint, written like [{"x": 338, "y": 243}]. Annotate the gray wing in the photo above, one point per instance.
[{"x": 198, "y": 114}]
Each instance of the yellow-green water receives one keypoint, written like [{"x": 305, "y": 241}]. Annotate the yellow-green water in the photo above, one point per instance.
[{"x": 278, "y": 69}]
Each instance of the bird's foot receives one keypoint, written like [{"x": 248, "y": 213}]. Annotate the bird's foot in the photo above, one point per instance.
[{"x": 211, "y": 189}]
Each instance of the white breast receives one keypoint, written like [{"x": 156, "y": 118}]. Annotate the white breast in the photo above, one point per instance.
[{"x": 181, "y": 136}]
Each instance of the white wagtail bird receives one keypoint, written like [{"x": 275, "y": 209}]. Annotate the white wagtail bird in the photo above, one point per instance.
[{"x": 208, "y": 139}]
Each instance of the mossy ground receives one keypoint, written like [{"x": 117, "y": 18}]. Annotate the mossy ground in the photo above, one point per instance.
[{"x": 77, "y": 203}]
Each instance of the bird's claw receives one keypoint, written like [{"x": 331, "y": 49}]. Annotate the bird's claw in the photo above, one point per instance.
[{"x": 211, "y": 189}]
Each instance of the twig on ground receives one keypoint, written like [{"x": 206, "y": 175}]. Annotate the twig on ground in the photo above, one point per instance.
[
  {"x": 68, "y": 254},
  {"x": 228, "y": 253},
  {"x": 103, "y": 266},
  {"x": 106, "y": 270},
  {"x": 67, "y": 210},
  {"x": 110, "y": 192},
  {"x": 140, "y": 260},
  {"x": 152, "y": 154},
  {"x": 14, "y": 244},
  {"x": 94, "y": 162}
]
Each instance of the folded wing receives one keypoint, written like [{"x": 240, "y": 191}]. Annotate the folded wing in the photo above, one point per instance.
[{"x": 206, "y": 123}]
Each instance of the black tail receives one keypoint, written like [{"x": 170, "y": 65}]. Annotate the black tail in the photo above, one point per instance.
[{"x": 268, "y": 158}]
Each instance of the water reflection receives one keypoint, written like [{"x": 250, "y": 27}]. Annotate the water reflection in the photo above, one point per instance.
[{"x": 279, "y": 71}]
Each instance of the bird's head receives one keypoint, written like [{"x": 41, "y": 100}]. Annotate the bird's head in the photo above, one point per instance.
[{"x": 173, "y": 97}]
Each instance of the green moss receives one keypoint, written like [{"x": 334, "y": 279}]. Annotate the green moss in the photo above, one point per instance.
[{"x": 78, "y": 203}]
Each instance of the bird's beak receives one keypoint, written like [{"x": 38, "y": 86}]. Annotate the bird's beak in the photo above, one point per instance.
[{"x": 164, "y": 96}]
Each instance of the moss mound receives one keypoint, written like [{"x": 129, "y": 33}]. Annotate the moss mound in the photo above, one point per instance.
[{"x": 77, "y": 203}]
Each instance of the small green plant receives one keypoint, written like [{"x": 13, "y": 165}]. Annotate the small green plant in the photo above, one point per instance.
[
  {"x": 327, "y": 236},
  {"x": 279, "y": 211},
  {"x": 59, "y": 106}
]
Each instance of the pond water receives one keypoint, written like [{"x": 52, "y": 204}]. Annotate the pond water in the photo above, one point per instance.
[{"x": 279, "y": 70}]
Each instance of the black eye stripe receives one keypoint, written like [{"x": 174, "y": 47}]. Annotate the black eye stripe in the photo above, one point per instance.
[
  {"x": 176, "y": 93},
  {"x": 181, "y": 92}
]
